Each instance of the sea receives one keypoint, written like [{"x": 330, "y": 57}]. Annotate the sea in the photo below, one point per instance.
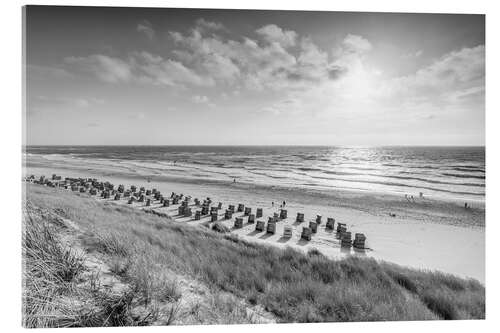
[{"x": 441, "y": 172}]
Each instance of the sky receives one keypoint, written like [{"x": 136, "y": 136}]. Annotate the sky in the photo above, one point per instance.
[{"x": 159, "y": 76}]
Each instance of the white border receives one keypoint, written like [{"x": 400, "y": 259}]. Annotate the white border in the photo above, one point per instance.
[{"x": 11, "y": 106}]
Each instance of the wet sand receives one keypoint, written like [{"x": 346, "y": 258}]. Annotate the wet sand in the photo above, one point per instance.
[{"x": 427, "y": 234}]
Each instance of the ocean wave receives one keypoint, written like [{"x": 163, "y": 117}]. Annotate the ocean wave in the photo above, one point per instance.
[
  {"x": 436, "y": 189},
  {"x": 463, "y": 176},
  {"x": 468, "y": 169},
  {"x": 451, "y": 170}
]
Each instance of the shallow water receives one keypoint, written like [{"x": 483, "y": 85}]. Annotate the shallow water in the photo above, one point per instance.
[{"x": 456, "y": 173}]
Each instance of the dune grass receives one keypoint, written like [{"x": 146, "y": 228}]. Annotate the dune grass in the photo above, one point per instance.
[
  {"x": 294, "y": 286},
  {"x": 49, "y": 271},
  {"x": 54, "y": 293}
]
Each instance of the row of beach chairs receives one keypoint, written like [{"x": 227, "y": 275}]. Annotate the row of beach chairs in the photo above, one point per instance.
[{"x": 107, "y": 190}]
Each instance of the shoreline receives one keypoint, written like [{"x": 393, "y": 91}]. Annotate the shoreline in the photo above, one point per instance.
[
  {"x": 195, "y": 172},
  {"x": 425, "y": 209},
  {"x": 428, "y": 236}
]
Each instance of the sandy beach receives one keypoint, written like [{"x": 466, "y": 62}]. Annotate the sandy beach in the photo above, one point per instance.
[{"x": 426, "y": 234}]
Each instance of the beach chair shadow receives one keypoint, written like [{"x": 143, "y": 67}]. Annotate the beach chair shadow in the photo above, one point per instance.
[
  {"x": 266, "y": 235},
  {"x": 283, "y": 239},
  {"x": 345, "y": 250},
  {"x": 253, "y": 233},
  {"x": 302, "y": 242},
  {"x": 359, "y": 252}
]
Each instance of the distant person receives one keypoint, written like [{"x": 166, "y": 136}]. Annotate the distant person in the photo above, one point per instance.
[
  {"x": 284, "y": 203},
  {"x": 272, "y": 204},
  {"x": 234, "y": 180},
  {"x": 421, "y": 194},
  {"x": 412, "y": 198},
  {"x": 466, "y": 205}
]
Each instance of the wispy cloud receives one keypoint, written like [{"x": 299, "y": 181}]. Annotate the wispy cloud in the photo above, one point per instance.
[
  {"x": 147, "y": 28},
  {"x": 41, "y": 104},
  {"x": 413, "y": 55},
  {"x": 47, "y": 72},
  {"x": 106, "y": 68},
  {"x": 274, "y": 34},
  {"x": 202, "y": 99},
  {"x": 204, "y": 25},
  {"x": 459, "y": 70},
  {"x": 356, "y": 44},
  {"x": 47, "y": 101}
]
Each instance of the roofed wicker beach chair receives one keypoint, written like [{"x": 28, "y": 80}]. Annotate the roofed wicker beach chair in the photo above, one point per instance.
[
  {"x": 238, "y": 223},
  {"x": 306, "y": 233},
  {"x": 287, "y": 233}
]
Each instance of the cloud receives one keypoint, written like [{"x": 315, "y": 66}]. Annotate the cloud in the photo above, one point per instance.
[
  {"x": 43, "y": 100},
  {"x": 46, "y": 72},
  {"x": 288, "y": 105},
  {"x": 313, "y": 64},
  {"x": 206, "y": 59},
  {"x": 106, "y": 68},
  {"x": 137, "y": 115},
  {"x": 465, "y": 65},
  {"x": 43, "y": 103},
  {"x": 274, "y": 34},
  {"x": 139, "y": 67},
  {"x": 412, "y": 55},
  {"x": 257, "y": 64},
  {"x": 154, "y": 69},
  {"x": 356, "y": 44},
  {"x": 459, "y": 70},
  {"x": 147, "y": 28},
  {"x": 205, "y": 25},
  {"x": 451, "y": 83},
  {"x": 464, "y": 94},
  {"x": 200, "y": 99}
]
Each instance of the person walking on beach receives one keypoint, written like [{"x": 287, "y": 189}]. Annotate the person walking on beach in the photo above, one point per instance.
[
  {"x": 284, "y": 203},
  {"x": 272, "y": 204}
]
